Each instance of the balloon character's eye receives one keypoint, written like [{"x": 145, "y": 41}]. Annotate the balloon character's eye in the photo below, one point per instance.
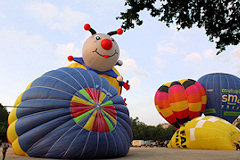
[
  {"x": 97, "y": 37},
  {"x": 112, "y": 39}
]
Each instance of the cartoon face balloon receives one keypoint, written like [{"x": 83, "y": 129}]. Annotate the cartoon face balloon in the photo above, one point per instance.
[{"x": 100, "y": 51}]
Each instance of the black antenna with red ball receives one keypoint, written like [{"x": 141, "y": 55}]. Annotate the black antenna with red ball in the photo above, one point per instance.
[
  {"x": 87, "y": 27},
  {"x": 119, "y": 32}
]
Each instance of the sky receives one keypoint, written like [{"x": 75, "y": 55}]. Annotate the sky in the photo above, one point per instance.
[{"x": 38, "y": 36}]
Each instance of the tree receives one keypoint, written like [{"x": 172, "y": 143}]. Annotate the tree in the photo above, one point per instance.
[
  {"x": 169, "y": 132},
  {"x": 141, "y": 131},
  {"x": 3, "y": 122},
  {"x": 220, "y": 18}
]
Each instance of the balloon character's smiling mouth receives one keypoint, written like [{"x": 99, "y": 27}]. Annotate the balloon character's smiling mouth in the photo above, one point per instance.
[{"x": 105, "y": 56}]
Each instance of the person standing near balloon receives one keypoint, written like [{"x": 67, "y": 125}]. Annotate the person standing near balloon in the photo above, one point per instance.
[
  {"x": 237, "y": 146},
  {"x": 4, "y": 149}
]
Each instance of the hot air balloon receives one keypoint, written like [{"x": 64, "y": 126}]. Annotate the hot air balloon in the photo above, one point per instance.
[
  {"x": 70, "y": 113},
  {"x": 100, "y": 54},
  {"x": 180, "y": 101},
  {"x": 208, "y": 132},
  {"x": 223, "y": 92}
]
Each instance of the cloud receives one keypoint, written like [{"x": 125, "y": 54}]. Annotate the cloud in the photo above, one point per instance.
[
  {"x": 23, "y": 57},
  {"x": 15, "y": 43},
  {"x": 123, "y": 54},
  {"x": 68, "y": 49},
  {"x": 236, "y": 53},
  {"x": 55, "y": 18},
  {"x": 43, "y": 11},
  {"x": 130, "y": 70},
  {"x": 134, "y": 82},
  {"x": 208, "y": 53},
  {"x": 236, "y": 56},
  {"x": 160, "y": 63},
  {"x": 2, "y": 16},
  {"x": 163, "y": 48},
  {"x": 65, "y": 50},
  {"x": 23, "y": 52},
  {"x": 193, "y": 57},
  {"x": 68, "y": 19},
  {"x": 131, "y": 65},
  {"x": 236, "y": 67}
]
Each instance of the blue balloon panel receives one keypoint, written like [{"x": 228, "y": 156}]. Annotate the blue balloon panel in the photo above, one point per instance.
[{"x": 223, "y": 95}]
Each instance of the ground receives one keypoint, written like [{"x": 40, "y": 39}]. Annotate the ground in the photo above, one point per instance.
[{"x": 158, "y": 154}]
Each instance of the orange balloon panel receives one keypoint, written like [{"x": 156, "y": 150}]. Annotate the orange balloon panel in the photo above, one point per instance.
[{"x": 180, "y": 101}]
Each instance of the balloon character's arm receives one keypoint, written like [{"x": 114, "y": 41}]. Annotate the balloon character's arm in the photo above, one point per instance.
[
  {"x": 76, "y": 59},
  {"x": 120, "y": 78},
  {"x": 119, "y": 63},
  {"x": 124, "y": 84}
]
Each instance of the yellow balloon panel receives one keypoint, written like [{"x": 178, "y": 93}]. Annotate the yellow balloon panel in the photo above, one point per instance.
[
  {"x": 17, "y": 149},
  {"x": 206, "y": 133},
  {"x": 12, "y": 119},
  {"x": 11, "y": 132}
]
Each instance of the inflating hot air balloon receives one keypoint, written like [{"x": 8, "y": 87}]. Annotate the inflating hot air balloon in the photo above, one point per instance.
[
  {"x": 180, "y": 101},
  {"x": 223, "y": 93},
  {"x": 70, "y": 113},
  {"x": 100, "y": 54},
  {"x": 206, "y": 133}
]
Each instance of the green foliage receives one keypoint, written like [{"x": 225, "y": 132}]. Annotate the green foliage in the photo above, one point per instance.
[
  {"x": 145, "y": 132},
  {"x": 220, "y": 18},
  {"x": 238, "y": 125},
  {"x": 3, "y": 122}
]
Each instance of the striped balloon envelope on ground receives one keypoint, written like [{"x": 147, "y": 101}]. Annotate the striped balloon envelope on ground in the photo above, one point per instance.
[
  {"x": 223, "y": 92},
  {"x": 70, "y": 113},
  {"x": 207, "y": 132},
  {"x": 180, "y": 101}
]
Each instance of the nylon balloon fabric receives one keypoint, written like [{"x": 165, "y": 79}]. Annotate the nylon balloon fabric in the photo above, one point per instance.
[
  {"x": 223, "y": 92},
  {"x": 209, "y": 132},
  {"x": 70, "y": 113},
  {"x": 180, "y": 101}
]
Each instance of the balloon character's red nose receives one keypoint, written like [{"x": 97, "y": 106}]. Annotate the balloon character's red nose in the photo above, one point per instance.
[{"x": 106, "y": 44}]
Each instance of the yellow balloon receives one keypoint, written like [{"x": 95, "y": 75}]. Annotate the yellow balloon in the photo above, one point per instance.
[{"x": 206, "y": 133}]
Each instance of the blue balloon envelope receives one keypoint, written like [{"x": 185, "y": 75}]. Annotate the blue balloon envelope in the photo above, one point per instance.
[
  {"x": 223, "y": 95},
  {"x": 72, "y": 113}
]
